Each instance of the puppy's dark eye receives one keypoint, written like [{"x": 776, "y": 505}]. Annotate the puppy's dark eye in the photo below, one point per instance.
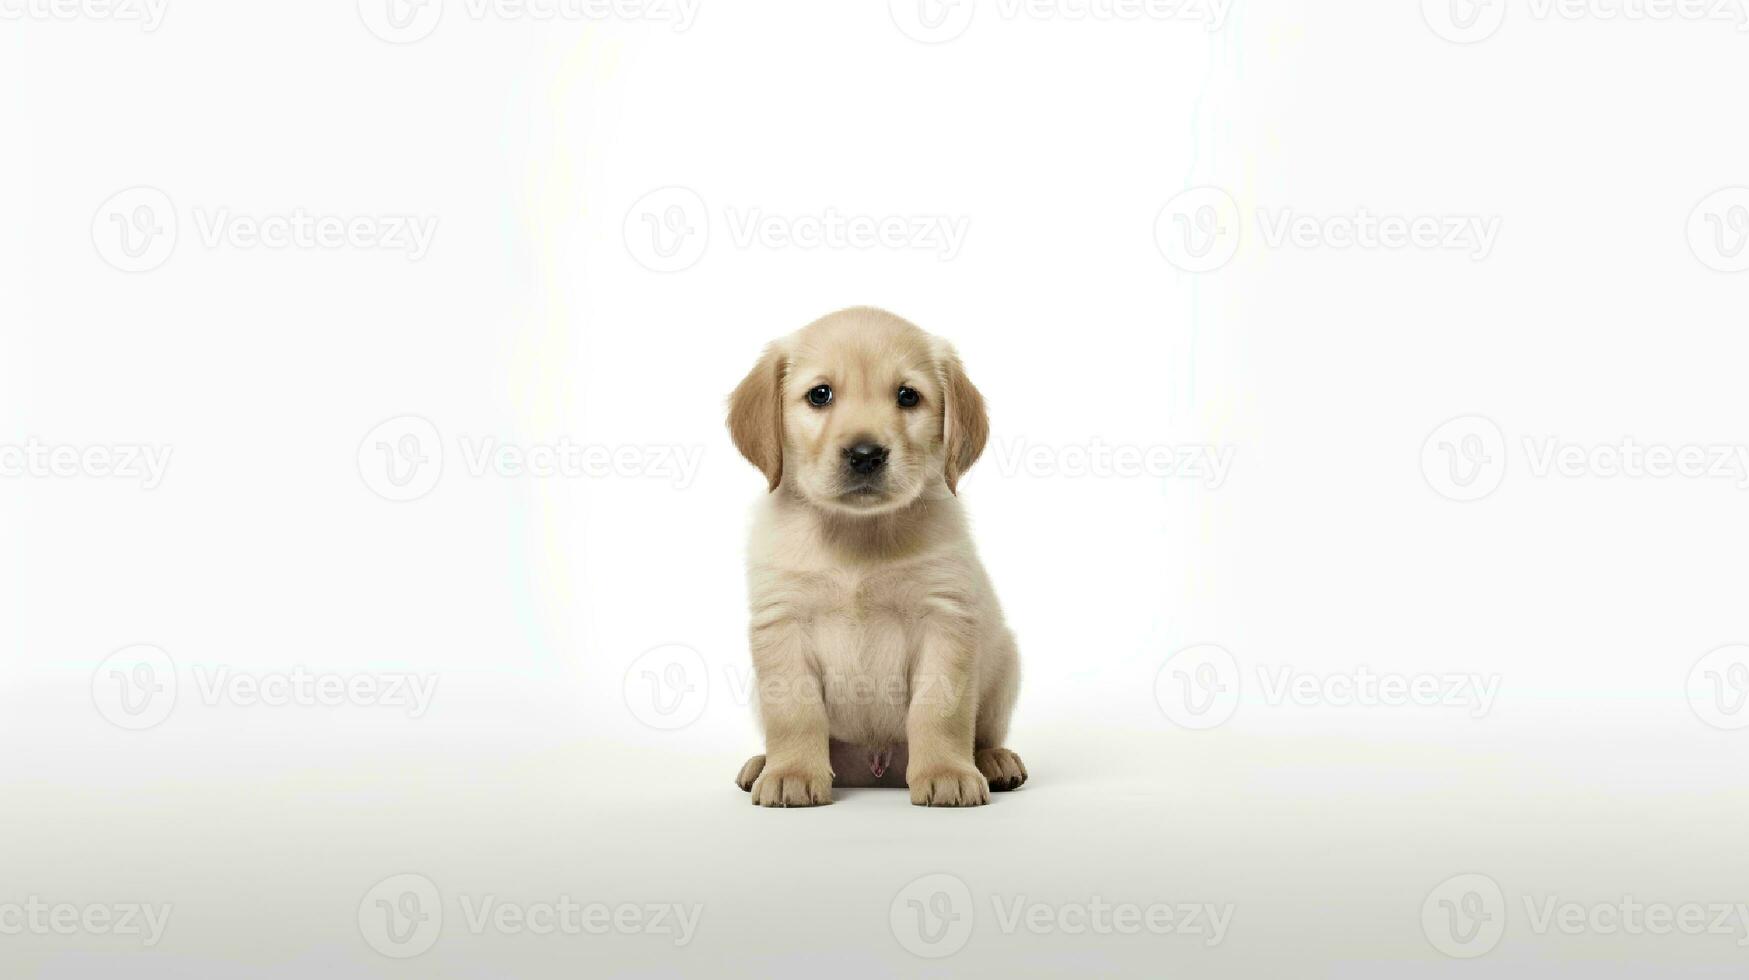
[
  {"x": 820, "y": 396},
  {"x": 908, "y": 397}
]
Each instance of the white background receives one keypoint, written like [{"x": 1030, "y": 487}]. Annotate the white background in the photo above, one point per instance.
[{"x": 545, "y": 764}]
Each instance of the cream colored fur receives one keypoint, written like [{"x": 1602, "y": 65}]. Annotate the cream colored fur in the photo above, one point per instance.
[{"x": 875, "y": 632}]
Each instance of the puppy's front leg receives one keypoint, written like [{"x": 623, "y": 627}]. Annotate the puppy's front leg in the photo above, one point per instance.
[
  {"x": 798, "y": 768},
  {"x": 940, "y": 723}
]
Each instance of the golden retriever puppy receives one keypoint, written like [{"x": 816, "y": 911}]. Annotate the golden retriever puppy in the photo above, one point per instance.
[{"x": 878, "y": 646}]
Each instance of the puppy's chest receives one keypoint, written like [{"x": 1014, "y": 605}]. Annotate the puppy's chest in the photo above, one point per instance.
[{"x": 864, "y": 618}]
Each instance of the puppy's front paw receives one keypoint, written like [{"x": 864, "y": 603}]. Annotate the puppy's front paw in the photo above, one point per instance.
[
  {"x": 750, "y": 772},
  {"x": 791, "y": 786},
  {"x": 1002, "y": 768},
  {"x": 949, "y": 785}
]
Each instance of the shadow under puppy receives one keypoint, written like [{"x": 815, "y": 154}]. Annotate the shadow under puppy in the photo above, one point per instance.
[{"x": 878, "y": 645}]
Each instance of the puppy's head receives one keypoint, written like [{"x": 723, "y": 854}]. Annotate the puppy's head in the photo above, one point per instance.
[{"x": 859, "y": 412}]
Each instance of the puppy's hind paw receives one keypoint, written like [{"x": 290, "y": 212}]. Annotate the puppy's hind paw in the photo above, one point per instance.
[
  {"x": 1002, "y": 768},
  {"x": 750, "y": 772}
]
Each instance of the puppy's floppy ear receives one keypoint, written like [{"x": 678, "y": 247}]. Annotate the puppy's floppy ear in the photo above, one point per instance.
[
  {"x": 756, "y": 415},
  {"x": 964, "y": 423}
]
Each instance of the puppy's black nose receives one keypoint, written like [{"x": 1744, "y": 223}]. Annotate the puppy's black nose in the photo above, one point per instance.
[{"x": 866, "y": 457}]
